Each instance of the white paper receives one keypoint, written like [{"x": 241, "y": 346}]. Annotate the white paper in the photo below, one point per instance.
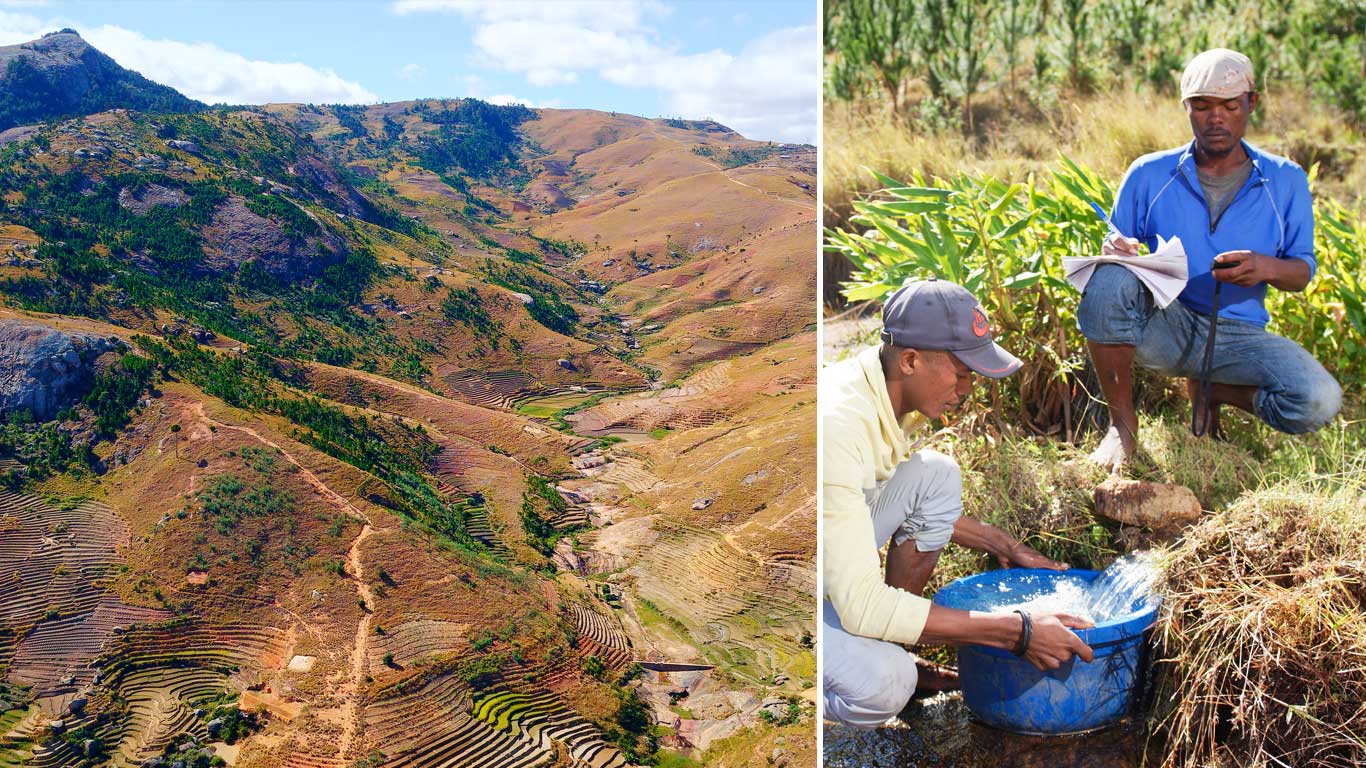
[{"x": 1163, "y": 271}]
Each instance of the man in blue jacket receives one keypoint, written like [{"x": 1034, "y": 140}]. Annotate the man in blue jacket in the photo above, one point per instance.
[{"x": 1233, "y": 205}]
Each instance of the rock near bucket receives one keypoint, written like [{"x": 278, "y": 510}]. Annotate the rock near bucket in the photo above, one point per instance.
[{"x": 1152, "y": 505}]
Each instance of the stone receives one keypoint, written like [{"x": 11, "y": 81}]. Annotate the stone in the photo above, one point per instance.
[
  {"x": 215, "y": 726},
  {"x": 236, "y": 235},
  {"x": 184, "y": 146},
  {"x": 76, "y": 706},
  {"x": 1150, "y": 505},
  {"x": 143, "y": 200},
  {"x": 44, "y": 370},
  {"x": 565, "y": 364}
]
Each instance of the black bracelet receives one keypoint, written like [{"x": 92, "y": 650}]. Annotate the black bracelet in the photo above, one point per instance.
[{"x": 1026, "y": 629}]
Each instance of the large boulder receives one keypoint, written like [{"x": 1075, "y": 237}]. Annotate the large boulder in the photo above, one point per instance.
[
  {"x": 44, "y": 370},
  {"x": 142, "y": 201},
  {"x": 236, "y": 234}
]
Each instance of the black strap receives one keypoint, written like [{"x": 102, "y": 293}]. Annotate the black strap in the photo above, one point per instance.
[{"x": 1203, "y": 385}]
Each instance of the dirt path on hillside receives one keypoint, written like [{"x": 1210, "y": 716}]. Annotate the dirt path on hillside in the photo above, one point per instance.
[
  {"x": 727, "y": 177},
  {"x": 779, "y": 198},
  {"x": 359, "y": 654},
  {"x": 312, "y": 479}
]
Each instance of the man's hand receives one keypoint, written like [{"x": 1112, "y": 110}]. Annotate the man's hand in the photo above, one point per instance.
[
  {"x": 1119, "y": 245},
  {"x": 1024, "y": 556},
  {"x": 1053, "y": 643},
  {"x": 1248, "y": 268},
  {"x": 1251, "y": 269}
]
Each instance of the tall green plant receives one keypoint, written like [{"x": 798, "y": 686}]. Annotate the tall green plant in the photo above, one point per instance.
[
  {"x": 1011, "y": 25},
  {"x": 1005, "y": 243},
  {"x": 875, "y": 39}
]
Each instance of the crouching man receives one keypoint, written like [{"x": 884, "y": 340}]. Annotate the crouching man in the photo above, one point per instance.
[
  {"x": 1246, "y": 220},
  {"x": 877, "y": 490}
]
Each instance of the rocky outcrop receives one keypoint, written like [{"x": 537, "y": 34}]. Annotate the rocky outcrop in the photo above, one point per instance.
[
  {"x": 236, "y": 235},
  {"x": 42, "y": 369},
  {"x": 144, "y": 200}
]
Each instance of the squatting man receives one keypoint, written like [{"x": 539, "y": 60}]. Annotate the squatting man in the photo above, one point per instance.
[
  {"x": 1235, "y": 206},
  {"x": 878, "y": 490}
]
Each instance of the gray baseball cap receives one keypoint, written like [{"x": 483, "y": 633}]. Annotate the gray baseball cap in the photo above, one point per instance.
[{"x": 937, "y": 314}]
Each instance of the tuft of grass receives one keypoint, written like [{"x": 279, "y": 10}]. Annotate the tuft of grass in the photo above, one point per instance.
[{"x": 1262, "y": 633}]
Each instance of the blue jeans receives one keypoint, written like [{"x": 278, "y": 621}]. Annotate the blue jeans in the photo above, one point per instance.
[{"x": 1294, "y": 392}]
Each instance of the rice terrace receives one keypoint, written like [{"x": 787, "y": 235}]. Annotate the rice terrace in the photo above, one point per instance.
[
  {"x": 419, "y": 433},
  {"x": 969, "y": 142}
]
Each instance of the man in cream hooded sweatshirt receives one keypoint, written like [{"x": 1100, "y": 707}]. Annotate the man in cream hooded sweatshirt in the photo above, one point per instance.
[{"x": 877, "y": 490}]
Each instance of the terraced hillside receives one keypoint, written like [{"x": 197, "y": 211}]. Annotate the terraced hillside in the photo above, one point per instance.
[{"x": 389, "y": 380}]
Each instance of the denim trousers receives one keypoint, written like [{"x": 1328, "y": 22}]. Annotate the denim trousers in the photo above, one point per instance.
[{"x": 1294, "y": 392}]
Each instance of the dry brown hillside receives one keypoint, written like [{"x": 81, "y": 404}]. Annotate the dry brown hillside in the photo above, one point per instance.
[{"x": 426, "y": 433}]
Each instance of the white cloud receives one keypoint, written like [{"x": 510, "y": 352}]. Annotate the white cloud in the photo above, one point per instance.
[
  {"x": 412, "y": 71},
  {"x": 599, "y": 14},
  {"x": 201, "y": 71},
  {"x": 206, "y": 72},
  {"x": 769, "y": 90},
  {"x": 21, "y": 28}
]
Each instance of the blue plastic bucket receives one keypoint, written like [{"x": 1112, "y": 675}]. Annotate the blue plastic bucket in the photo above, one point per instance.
[{"x": 1010, "y": 693}]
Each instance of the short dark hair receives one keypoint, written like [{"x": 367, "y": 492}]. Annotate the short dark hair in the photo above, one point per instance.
[{"x": 889, "y": 353}]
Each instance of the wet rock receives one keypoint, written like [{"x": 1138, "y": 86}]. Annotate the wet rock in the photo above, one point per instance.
[
  {"x": 939, "y": 732},
  {"x": 1150, "y": 505},
  {"x": 43, "y": 369}
]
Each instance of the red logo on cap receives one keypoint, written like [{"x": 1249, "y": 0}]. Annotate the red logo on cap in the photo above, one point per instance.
[{"x": 980, "y": 325}]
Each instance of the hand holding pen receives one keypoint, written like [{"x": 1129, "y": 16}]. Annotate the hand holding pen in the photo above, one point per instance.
[{"x": 1116, "y": 244}]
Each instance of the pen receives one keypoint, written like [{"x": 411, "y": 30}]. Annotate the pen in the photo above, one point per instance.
[{"x": 1104, "y": 217}]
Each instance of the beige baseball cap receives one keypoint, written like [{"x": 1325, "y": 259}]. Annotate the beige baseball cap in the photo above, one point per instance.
[{"x": 1218, "y": 73}]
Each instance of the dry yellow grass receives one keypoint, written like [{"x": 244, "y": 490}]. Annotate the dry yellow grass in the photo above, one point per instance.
[
  {"x": 1106, "y": 132},
  {"x": 1262, "y": 639}
]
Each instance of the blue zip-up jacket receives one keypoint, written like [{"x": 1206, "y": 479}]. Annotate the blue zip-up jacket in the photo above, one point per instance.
[{"x": 1272, "y": 214}]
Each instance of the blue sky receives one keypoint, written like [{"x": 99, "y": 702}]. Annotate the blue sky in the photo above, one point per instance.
[{"x": 751, "y": 65}]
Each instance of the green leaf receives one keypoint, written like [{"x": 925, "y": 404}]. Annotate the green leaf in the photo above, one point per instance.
[
  {"x": 864, "y": 292},
  {"x": 1022, "y": 280}
]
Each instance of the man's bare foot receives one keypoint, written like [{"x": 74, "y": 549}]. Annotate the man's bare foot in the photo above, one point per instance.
[
  {"x": 934, "y": 678},
  {"x": 1117, "y": 447}
]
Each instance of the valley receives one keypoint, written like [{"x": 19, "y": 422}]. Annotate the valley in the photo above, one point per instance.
[{"x": 422, "y": 433}]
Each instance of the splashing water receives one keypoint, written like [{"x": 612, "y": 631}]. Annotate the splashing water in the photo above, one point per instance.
[{"x": 1124, "y": 588}]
